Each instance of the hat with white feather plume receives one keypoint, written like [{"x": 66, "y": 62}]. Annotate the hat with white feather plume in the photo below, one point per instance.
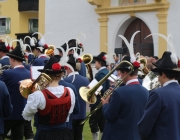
[
  {"x": 19, "y": 51},
  {"x": 169, "y": 61},
  {"x": 131, "y": 58},
  {"x": 41, "y": 43},
  {"x": 6, "y": 46}
]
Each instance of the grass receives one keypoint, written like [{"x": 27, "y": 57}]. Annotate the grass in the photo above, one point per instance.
[{"x": 86, "y": 131}]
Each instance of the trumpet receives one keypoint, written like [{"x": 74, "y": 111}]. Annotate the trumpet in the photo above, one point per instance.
[
  {"x": 5, "y": 67},
  {"x": 88, "y": 94},
  {"x": 27, "y": 86},
  {"x": 108, "y": 92}
]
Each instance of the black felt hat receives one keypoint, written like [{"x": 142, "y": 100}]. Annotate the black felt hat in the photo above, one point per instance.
[
  {"x": 17, "y": 54},
  {"x": 3, "y": 47},
  {"x": 126, "y": 66},
  {"x": 73, "y": 43},
  {"x": 166, "y": 64},
  {"x": 52, "y": 66},
  {"x": 101, "y": 57}
]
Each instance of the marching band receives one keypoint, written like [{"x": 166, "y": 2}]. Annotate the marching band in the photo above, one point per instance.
[{"x": 137, "y": 99}]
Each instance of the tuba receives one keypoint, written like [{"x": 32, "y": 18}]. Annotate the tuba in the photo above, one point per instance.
[
  {"x": 87, "y": 59},
  {"x": 108, "y": 92},
  {"x": 27, "y": 86},
  {"x": 88, "y": 94}
]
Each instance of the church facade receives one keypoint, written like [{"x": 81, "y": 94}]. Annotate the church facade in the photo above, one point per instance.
[{"x": 103, "y": 20}]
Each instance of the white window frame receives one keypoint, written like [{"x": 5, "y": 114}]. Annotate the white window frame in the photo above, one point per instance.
[{"x": 31, "y": 29}]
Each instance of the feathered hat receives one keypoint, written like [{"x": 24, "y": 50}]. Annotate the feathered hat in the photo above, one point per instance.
[
  {"x": 131, "y": 58},
  {"x": 19, "y": 51},
  {"x": 52, "y": 66},
  {"x": 7, "y": 44},
  {"x": 41, "y": 43},
  {"x": 65, "y": 58},
  {"x": 75, "y": 44},
  {"x": 169, "y": 60}
]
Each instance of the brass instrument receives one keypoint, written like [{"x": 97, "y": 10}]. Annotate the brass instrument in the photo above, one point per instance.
[
  {"x": 50, "y": 51},
  {"x": 87, "y": 59},
  {"x": 143, "y": 68},
  {"x": 151, "y": 82},
  {"x": 108, "y": 92},
  {"x": 88, "y": 94},
  {"x": 5, "y": 67},
  {"x": 28, "y": 86}
]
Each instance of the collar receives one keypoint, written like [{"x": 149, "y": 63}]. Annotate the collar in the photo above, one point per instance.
[
  {"x": 118, "y": 62},
  {"x": 132, "y": 81},
  {"x": 168, "y": 82},
  {"x": 101, "y": 68},
  {"x": 19, "y": 66},
  {"x": 73, "y": 73},
  {"x": 5, "y": 57},
  {"x": 41, "y": 55}
]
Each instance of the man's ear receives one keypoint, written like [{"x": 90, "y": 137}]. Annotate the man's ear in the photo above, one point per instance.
[{"x": 163, "y": 75}]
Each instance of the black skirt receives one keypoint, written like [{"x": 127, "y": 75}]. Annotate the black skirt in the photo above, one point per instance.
[{"x": 59, "y": 134}]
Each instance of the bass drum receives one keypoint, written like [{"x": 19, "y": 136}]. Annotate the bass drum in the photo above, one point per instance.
[{"x": 151, "y": 81}]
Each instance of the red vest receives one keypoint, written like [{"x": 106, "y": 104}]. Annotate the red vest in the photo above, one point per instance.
[{"x": 56, "y": 110}]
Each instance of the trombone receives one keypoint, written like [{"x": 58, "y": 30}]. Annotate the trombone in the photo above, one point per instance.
[{"x": 90, "y": 92}]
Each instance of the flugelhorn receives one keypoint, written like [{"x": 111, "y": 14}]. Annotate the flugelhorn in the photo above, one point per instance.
[
  {"x": 109, "y": 92},
  {"x": 27, "y": 86},
  {"x": 88, "y": 94}
]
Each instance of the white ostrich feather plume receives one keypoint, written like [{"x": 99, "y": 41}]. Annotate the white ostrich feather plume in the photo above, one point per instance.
[
  {"x": 130, "y": 45},
  {"x": 33, "y": 40},
  {"x": 65, "y": 58},
  {"x": 170, "y": 47}
]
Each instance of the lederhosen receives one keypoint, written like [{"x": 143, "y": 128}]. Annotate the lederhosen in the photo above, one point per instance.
[{"x": 51, "y": 120}]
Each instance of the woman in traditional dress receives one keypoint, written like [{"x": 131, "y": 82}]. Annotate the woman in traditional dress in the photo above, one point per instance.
[{"x": 52, "y": 106}]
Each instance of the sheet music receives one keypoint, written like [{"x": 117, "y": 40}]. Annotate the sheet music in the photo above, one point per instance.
[
  {"x": 112, "y": 78},
  {"x": 93, "y": 83},
  {"x": 34, "y": 72}
]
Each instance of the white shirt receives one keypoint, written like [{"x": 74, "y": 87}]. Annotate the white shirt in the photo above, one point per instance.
[
  {"x": 131, "y": 81},
  {"x": 41, "y": 55},
  {"x": 101, "y": 68},
  {"x": 73, "y": 73},
  {"x": 19, "y": 66},
  {"x": 168, "y": 82},
  {"x": 37, "y": 101},
  {"x": 5, "y": 57}
]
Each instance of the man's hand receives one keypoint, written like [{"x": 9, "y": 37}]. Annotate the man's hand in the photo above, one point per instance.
[{"x": 105, "y": 101}]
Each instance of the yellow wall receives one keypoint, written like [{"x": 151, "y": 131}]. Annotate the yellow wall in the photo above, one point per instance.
[
  {"x": 24, "y": 20},
  {"x": 19, "y": 20},
  {"x": 41, "y": 26}
]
